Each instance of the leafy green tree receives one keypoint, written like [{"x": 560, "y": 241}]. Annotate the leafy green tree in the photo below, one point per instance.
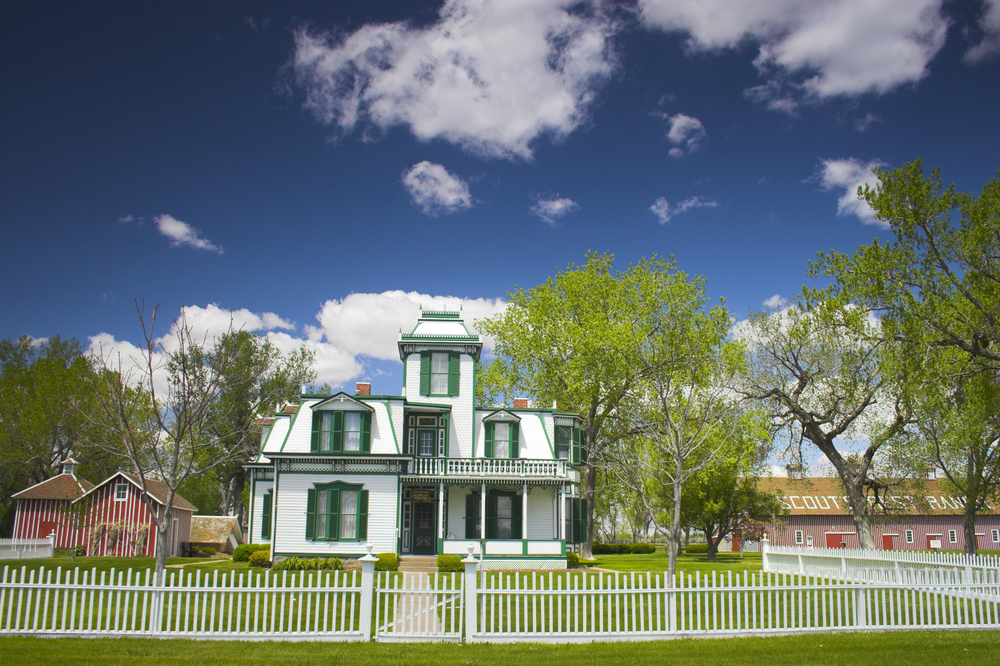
[
  {"x": 823, "y": 371},
  {"x": 566, "y": 342},
  {"x": 44, "y": 395}
]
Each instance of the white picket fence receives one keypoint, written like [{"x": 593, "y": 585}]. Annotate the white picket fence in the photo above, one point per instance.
[
  {"x": 419, "y": 606},
  {"x": 255, "y": 606},
  {"x": 880, "y": 565},
  {"x": 26, "y": 549}
]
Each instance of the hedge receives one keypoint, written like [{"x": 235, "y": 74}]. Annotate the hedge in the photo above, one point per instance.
[
  {"x": 313, "y": 564},
  {"x": 260, "y": 558},
  {"x": 242, "y": 553},
  {"x": 623, "y": 548},
  {"x": 450, "y": 563},
  {"x": 696, "y": 548},
  {"x": 387, "y": 562}
]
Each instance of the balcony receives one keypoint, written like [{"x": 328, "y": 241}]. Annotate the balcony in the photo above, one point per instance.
[{"x": 487, "y": 467}]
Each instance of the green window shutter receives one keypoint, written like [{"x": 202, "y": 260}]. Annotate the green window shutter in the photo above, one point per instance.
[
  {"x": 333, "y": 514},
  {"x": 265, "y": 521},
  {"x": 579, "y": 520},
  {"x": 363, "y": 515},
  {"x": 366, "y": 433},
  {"x": 516, "y": 517},
  {"x": 515, "y": 440},
  {"x": 453, "y": 373},
  {"x": 338, "y": 432},
  {"x": 311, "y": 514},
  {"x": 488, "y": 452},
  {"x": 317, "y": 425},
  {"x": 471, "y": 509},
  {"x": 491, "y": 516},
  {"x": 425, "y": 373},
  {"x": 577, "y": 449}
]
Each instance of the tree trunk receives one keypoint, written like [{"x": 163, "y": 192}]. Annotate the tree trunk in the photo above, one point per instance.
[
  {"x": 590, "y": 489},
  {"x": 673, "y": 548},
  {"x": 162, "y": 528},
  {"x": 859, "y": 514},
  {"x": 971, "y": 546},
  {"x": 713, "y": 547}
]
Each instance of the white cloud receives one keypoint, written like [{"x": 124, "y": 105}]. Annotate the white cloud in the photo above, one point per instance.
[
  {"x": 849, "y": 175},
  {"x": 862, "y": 124},
  {"x": 553, "y": 208},
  {"x": 989, "y": 45},
  {"x": 663, "y": 210},
  {"x": 817, "y": 49},
  {"x": 776, "y": 301},
  {"x": 685, "y": 131},
  {"x": 490, "y": 77},
  {"x": 435, "y": 191},
  {"x": 182, "y": 233}
]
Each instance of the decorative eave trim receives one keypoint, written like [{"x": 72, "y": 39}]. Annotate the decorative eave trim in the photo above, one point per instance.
[
  {"x": 341, "y": 402},
  {"x": 501, "y": 416}
]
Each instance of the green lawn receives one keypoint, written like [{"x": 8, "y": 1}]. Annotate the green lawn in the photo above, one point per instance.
[
  {"x": 911, "y": 648},
  {"x": 686, "y": 564},
  {"x": 100, "y": 563}
]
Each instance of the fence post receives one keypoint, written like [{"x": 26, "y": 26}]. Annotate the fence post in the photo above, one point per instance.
[
  {"x": 52, "y": 544},
  {"x": 367, "y": 591},
  {"x": 860, "y": 603},
  {"x": 765, "y": 546},
  {"x": 471, "y": 591}
]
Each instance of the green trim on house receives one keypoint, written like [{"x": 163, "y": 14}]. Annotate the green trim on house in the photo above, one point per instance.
[
  {"x": 429, "y": 404},
  {"x": 253, "y": 495},
  {"x": 290, "y": 427},
  {"x": 392, "y": 426},
  {"x": 324, "y": 555},
  {"x": 548, "y": 441}
]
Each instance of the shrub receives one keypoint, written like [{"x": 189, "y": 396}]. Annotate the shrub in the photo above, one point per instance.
[
  {"x": 448, "y": 563},
  {"x": 573, "y": 560},
  {"x": 693, "y": 548},
  {"x": 314, "y": 564},
  {"x": 207, "y": 551},
  {"x": 387, "y": 562},
  {"x": 242, "y": 553},
  {"x": 260, "y": 559},
  {"x": 623, "y": 548},
  {"x": 80, "y": 551}
]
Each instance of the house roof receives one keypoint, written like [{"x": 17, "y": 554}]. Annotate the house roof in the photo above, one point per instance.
[
  {"x": 157, "y": 490},
  {"x": 825, "y": 496},
  {"x": 60, "y": 487},
  {"x": 440, "y": 329},
  {"x": 214, "y": 529}
]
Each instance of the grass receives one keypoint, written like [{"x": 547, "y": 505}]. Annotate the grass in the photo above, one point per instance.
[
  {"x": 102, "y": 564},
  {"x": 686, "y": 564},
  {"x": 913, "y": 648}
]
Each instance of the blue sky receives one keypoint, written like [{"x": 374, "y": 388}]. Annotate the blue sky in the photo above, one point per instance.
[{"x": 323, "y": 169}]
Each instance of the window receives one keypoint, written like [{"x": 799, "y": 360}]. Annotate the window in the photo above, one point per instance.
[
  {"x": 121, "y": 491},
  {"x": 337, "y": 512},
  {"x": 995, "y": 534},
  {"x": 503, "y": 515},
  {"x": 425, "y": 442},
  {"x": 503, "y": 440},
  {"x": 341, "y": 432},
  {"x": 439, "y": 373},
  {"x": 909, "y": 536},
  {"x": 473, "y": 516},
  {"x": 798, "y": 536},
  {"x": 265, "y": 520},
  {"x": 576, "y": 520},
  {"x": 952, "y": 536},
  {"x": 564, "y": 442}
]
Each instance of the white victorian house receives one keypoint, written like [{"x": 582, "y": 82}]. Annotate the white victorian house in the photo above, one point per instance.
[{"x": 424, "y": 473}]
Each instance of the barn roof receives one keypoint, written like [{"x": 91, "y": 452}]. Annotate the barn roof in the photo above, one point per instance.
[
  {"x": 214, "y": 529},
  {"x": 825, "y": 496},
  {"x": 157, "y": 490},
  {"x": 60, "y": 487}
]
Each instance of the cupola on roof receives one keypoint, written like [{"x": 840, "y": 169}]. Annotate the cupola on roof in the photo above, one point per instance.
[{"x": 439, "y": 328}]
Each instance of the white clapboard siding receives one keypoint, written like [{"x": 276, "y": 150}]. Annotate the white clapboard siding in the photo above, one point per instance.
[
  {"x": 455, "y": 529},
  {"x": 260, "y": 489},
  {"x": 541, "y": 506},
  {"x": 291, "y": 500}
]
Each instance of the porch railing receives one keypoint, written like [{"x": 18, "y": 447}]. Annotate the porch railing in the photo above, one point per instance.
[{"x": 488, "y": 467}]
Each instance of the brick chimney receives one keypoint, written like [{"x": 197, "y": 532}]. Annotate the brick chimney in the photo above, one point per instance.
[
  {"x": 363, "y": 388},
  {"x": 520, "y": 403}
]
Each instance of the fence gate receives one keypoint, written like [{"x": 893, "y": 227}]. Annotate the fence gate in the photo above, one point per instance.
[{"x": 413, "y": 606}]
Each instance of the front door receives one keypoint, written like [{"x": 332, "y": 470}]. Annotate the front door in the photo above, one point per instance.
[{"x": 423, "y": 528}]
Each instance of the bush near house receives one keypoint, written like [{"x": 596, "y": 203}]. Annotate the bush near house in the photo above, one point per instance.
[
  {"x": 242, "y": 553},
  {"x": 308, "y": 564},
  {"x": 623, "y": 548},
  {"x": 261, "y": 558},
  {"x": 387, "y": 562},
  {"x": 450, "y": 563},
  {"x": 696, "y": 548}
]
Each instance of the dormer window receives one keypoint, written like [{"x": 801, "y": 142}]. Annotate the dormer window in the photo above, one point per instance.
[
  {"x": 439, "y": 373},
  {"x": 341, "y": 432}
]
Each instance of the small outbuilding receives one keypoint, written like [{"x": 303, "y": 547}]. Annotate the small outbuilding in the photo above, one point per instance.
[
  {"x": 46, "y": 509},
  {"x": 219, "y": 532}
]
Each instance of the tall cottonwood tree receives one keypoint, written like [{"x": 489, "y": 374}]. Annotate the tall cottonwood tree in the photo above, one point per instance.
[
  {"x": 822, "y": 370},
  {"x": 570, "y": 341}
]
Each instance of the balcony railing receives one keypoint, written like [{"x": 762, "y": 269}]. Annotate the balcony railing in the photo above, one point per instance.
[{"x": 487, "y": 467}]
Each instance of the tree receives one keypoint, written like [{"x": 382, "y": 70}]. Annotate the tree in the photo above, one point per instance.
[
  {"x": 820, "y": 368},
  {"x": 725, "y": 498},
  {"x": 256, "y": 381},
  {"x": 44, "y": 393},
  {"x": 567, "y": 342},
  {"x": 168, "y": 436}
]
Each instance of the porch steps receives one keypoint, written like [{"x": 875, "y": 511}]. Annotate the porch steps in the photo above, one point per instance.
[{"x": 418, "y": 563}]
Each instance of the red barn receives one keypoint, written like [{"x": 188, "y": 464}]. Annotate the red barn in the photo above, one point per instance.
[
  {"x": 926, "y": 518},
  {"x": 46, "y": 508},
  {"x": 120, "y": 524}
]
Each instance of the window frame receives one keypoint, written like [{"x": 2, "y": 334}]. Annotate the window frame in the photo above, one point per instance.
[
  {"x": 123, "y": 487},
  {"x": 909, "y": 536},
  {"x": 513, "y": 441},
  {"x": 266, "y": 512},
  {"x": 952, "y": 536},
  {"x": 566, "y": 445},
  {"x": 995, "y": 535},
  {"x": 332, "y": 533},
  {"x": 453, "y": 374},
  {"x": 337, "y": 432},
  {"x": 799, "y": 538}
]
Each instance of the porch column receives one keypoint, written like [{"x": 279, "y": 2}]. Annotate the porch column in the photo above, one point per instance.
[
  {"x": 441, "y": 510},
  {"x": 482, "y": 514},
  {"x": 562, "y": 508},
  {"x": 524, "y": 511}
]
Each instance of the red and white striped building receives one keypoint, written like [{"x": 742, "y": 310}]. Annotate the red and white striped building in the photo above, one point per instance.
[
  {"x": 925, "y": 518},
  {"x": 119, "y": 523},
  {"x": 47, "y": 508}
]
